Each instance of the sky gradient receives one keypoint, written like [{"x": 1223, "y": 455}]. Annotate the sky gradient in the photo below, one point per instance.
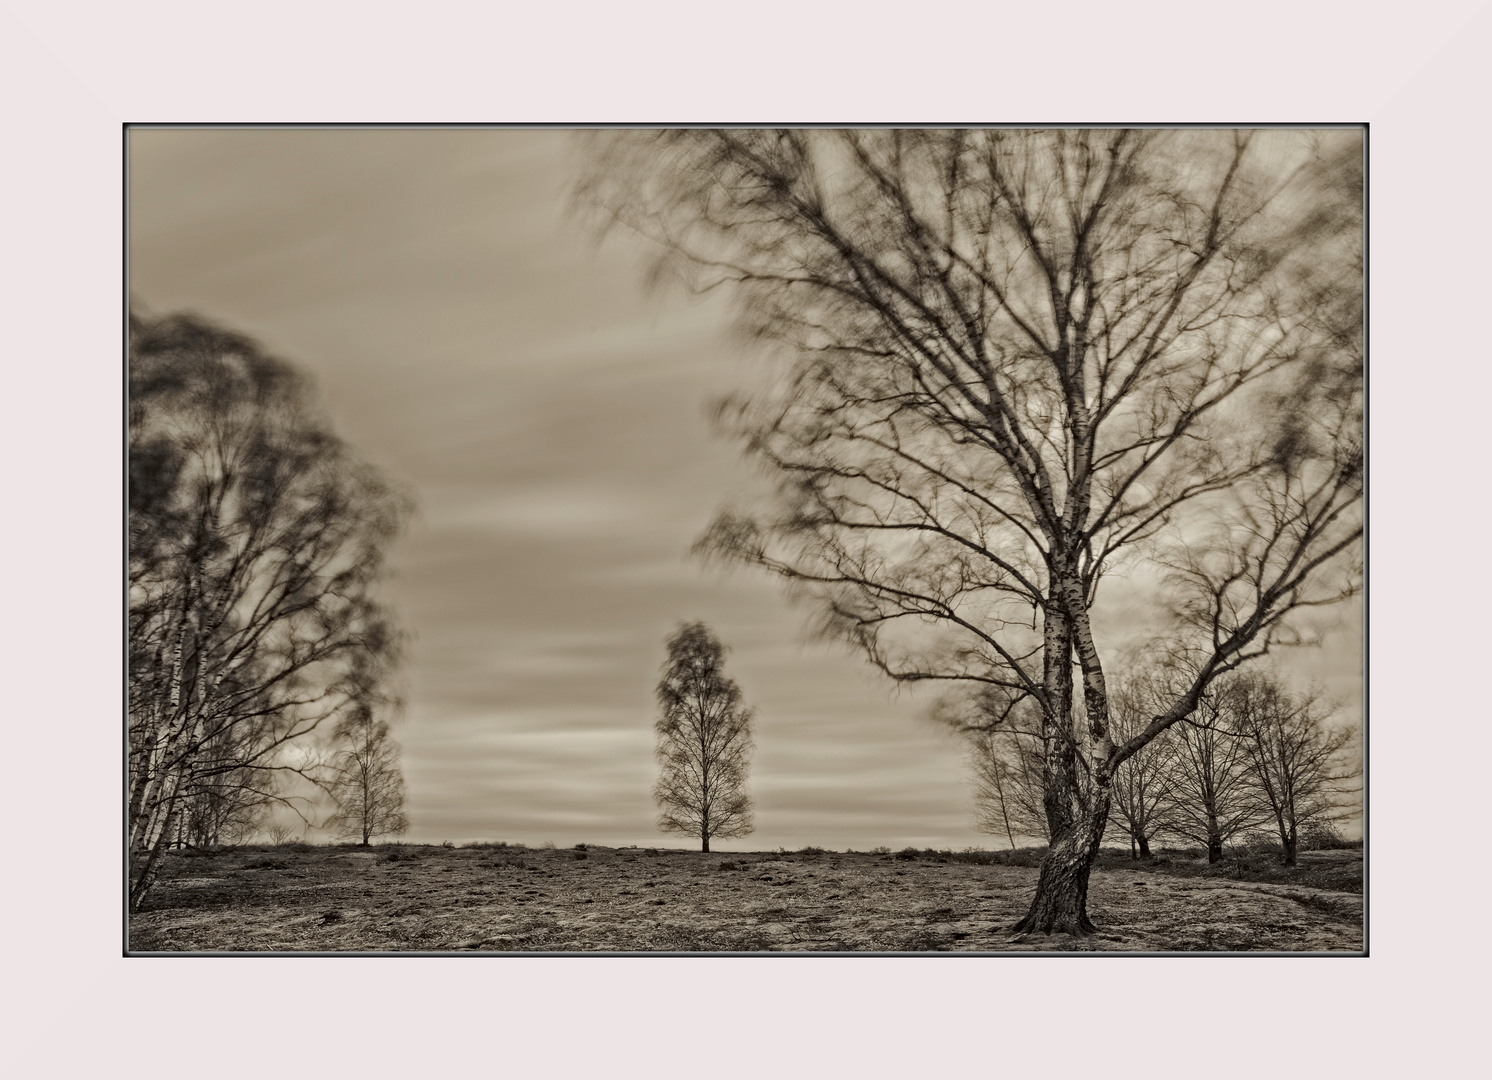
[{"x": 549, "y": 419}]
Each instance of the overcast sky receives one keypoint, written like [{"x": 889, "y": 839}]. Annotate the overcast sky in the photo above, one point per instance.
[{"x": 549, "y": 419}]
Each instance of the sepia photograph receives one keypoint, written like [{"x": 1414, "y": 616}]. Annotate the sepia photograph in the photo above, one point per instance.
[{"x": 809, "y": 541}]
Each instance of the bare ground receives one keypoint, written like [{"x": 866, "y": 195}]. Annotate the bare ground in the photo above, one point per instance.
[{"x": 432, "y": 899}]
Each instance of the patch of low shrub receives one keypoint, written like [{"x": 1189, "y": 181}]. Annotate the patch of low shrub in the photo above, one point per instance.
[
  {"x": 932, "y": 855},
  {"x": 1256, "y": 843},
  {"x": 977, "y": 856},
  {"x": 581, "y": 855},
  {"x": 404, "y": 853},
  {"x": 1323, "y": 836},
  {"x": 1027, "y": 857},
  {"x": 1337, "y": 875}
]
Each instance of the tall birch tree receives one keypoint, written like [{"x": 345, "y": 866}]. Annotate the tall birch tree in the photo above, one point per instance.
[
  {"x": 1009, "y": 363},
  {"x": 256, "y": 546}
]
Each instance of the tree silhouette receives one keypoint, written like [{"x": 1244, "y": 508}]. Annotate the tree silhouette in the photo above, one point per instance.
[
  {"x": 367, "y": 783},
  {"x": 1213, "y": 793},
  {"x": 1305, "y": 767},
  {"x": 704, "y": 742},
  {"x": 1142, "y": 782}
]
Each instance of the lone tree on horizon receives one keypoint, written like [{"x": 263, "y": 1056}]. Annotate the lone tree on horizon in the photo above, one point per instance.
[
  {"x": 368, "y": 783},
  {"x": 704, "y": 742}
]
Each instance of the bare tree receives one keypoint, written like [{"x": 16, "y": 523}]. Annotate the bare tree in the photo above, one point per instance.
[
  {"x": 1013, "y": 360},
  {"x": 225, "y": 801},
  {"x": 1304, "y": 767},
  {"x": 1007, "y": 787},
  {"x": 1142, "y": 783},
  {"x": 280, "y": 833},
  {"x": 1004, "y": 753},
  {"x": 1213, "y": 793},
  {"x": 223, "y": 808},
  {"x": 704, "y": 742},
  {"x": 256, "y": 544},
  {"x": 367, "y": 782}
]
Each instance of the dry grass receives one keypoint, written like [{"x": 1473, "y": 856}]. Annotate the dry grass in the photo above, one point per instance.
[{"x": 437, "y": 899}]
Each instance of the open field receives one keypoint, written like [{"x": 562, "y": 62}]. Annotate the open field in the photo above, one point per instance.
[{"x": 437, "y": 899}]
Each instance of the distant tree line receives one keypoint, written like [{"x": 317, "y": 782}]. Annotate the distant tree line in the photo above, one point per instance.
[
  {"x": 258, "y": 651},
  {"x": 1255, "y": 758}
]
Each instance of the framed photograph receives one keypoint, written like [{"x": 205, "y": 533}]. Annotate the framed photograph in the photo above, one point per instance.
[{"x": 745, "y": 540}]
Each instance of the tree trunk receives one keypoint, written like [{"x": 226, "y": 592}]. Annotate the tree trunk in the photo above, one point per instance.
[
  {"x": 145, "y": 865},
  {"x": 1214, "y": 834},
  {"x": 1132, "y": 854},
  {"x": 1061, "y": 902},
  {"x": 704, "y": 843},
  {"x": 1144, "y": 848},
  {"x": 1291, "y": 846}
]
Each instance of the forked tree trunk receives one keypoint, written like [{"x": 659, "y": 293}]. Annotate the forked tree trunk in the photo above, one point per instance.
[{"x": 1061, "y": 902}]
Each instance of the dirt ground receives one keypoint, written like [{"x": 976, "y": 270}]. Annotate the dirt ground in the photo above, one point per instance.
[{"x": 398, "y": 898}]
